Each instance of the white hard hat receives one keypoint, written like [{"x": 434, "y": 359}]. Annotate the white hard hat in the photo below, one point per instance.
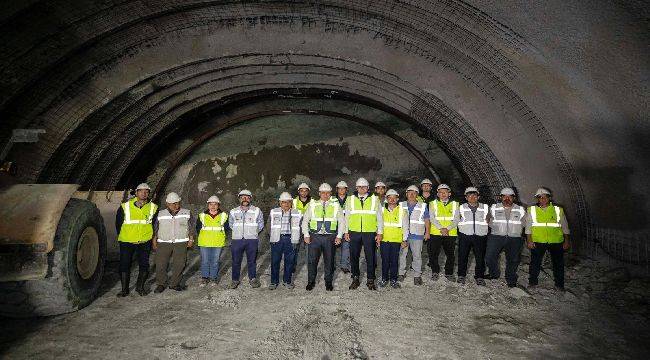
[
  {"x": 143, "y": 186},
  {"x": 362, "y": 182},
  {"x": 325, "y": 187},
  {"x": 342, "y": 184},
  {"x": 214, "y": 199},
  {"x": 443, "y": 186},
  {"x": 413, "y": 188},
  {"x": 285, "y": 196},
  {"x": 379, "y": 183},
  {"x": 507, "y": 191},
  {"x": 426, "y": 181},
  {"x": 392, "y": 192},
  {"x": 245, "y": 192},
  {"x": 303, "y": 186},
  {"x": 542, "y": 191},
  {"x": 471, "y": 189},
  {"x": 172, "y": 197}
]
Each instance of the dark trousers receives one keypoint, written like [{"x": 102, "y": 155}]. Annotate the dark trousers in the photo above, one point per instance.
[
  {"x": 477, "y": 244},
  {"x": 177, "y": 252},
  {"x": 512, "y": 246},
  {"x": 367, "y": 241},
  {"x": 320, "y": 244},
  {"x": 557, "y": 259},
  {"x": 237, "y": 249},
  {"x": 448, "y": 244},
  {"x": 389, "y": 260},
  {"x": 126, "y": 256},
  {"x": 278, "y": 249}
]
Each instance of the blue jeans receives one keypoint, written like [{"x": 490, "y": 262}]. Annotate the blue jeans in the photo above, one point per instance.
[
  {"x": 238, "y": 248},
  {"x": 286, "y": 248},
  {"x": 210, "y": 262}
]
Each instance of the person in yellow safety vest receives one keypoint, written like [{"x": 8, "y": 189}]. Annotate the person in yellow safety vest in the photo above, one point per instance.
[
  {"x": 396, "y": 224},
  {"x": 546, "y": 229},
  {"x": 364, "y": 227},
  {"x": 300, "y": 203},
  {"x": 211, "y": 230},
  {"x": 134, "y": 224},
  {"x": 443, "y": 214},
  {"x": 322, "y": 226},
  {"x": 380, "y": 192},
  {"x": 426, "y": 195},
  {"x": 342, "y": 197}
]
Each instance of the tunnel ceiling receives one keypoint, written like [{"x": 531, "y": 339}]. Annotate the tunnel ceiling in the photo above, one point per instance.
[{"x": 517, "y": 93}]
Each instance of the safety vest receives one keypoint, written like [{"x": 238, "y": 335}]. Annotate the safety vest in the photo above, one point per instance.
[
  {"x": 298, "y": 205},
  {"x": 506, "y": 226},
  {"x": 473, "y": 224},
  {"x": 363, "y": 218},
  {"x": 393, "y": 231},
  {"x": 137, "y": 226},
  {"x": 444, "y": 214},
  {"x": 545, "y": 224},
  {"x": 416, "y": 217},
  {"x": 212, "y": 233},
  {"x": 244, "y": 223},
  {"x": 276, "y": 225},
  {"x": 173, "y": 228},
  {"x": 323, "y": 216}
]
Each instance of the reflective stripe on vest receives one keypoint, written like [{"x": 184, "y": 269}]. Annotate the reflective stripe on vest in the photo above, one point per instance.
[
  {"x": 373, "y": 206},
  {"x": 533, "y": 215},
  {"x": 127, "y": 213},
  {"x": 466, "y": 221},
  {"x": 330, "y": 211},
  {"x": 212, "y": 228},
  {"x": 419, "y": 208},
  {"x": 495, "y": 209},
  {"x": 298, "y": 205},
  {"x": 454, "y": 207},
  {"x": 393, "y": 231},
  {"x": 137, "y": 225},
  {"x": 436, "y": 207},
  {"x": 275, "y": 225},
  {"x": 255, "y": 215},
  {"x": 363, "y": 218},
  {"x": 545, "y": 229}
]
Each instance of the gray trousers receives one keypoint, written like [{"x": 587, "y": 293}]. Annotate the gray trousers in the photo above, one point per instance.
[
  {"x": 177, "y": 252},
  {"x": 416, "y": 250}
]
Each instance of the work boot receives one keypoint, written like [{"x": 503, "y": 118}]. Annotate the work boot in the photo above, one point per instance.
[
  {"x": 124, "y": 280},
  {"x": 289, "y": 285},
  {"x": 371, "y": 285},
  {"x": 435, "y": 276},
  {"x": 234, "y": 284},
  {"x": 255, "y": 283},
  {"x": 451, "y": 277},
  {"x": 355, "y": 283},
  {"x": 139, "y": 285},
  {"x": 417, "y": 281},
  {"x": 461, "y": 280},
  {"x": 382, "y": 283},
  {"x": 310, "y": 286},
  {"x": 511, "y": 285},
  {"x": 345, "y": 271},
  {"x": 395, "y": 285},
  {"x": 273, "y": 286},
  {"x": 480, "y": 282},
  {"x": 329, "y": 286},
  {"x": 159, "y": 289},
  {"x": 179, "y": 287},
  {"x": 401, "y": 278}
]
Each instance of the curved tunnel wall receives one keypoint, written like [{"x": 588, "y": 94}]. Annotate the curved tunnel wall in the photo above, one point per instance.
[{"x": 508, "y": 101}]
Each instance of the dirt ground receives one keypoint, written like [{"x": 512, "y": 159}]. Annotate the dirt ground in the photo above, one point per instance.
[{"x": 603, "y": 315}]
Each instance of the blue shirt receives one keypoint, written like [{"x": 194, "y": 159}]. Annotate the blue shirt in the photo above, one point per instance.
[{"x": 426, "y": 216}]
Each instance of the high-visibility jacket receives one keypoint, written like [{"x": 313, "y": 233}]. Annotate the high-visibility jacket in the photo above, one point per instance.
[
  {"x": 545, "y": 226},
  {"x": 298, "y": 205},
  {"x": 173, "y": 228},
  {"x": 393, "y": 231},
  {"x": 212, "y": 233},
  {"x": 473, "y": 223},
  {"x": 324, "y": 216},
  {"x": 137, "y": 226},
  {"x": 363, "y": 218},
  {"x": 416, "y": 217},
  {"x": 444, "y": 214}
]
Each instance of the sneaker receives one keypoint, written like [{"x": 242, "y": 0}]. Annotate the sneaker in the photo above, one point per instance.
[
  {"x": 451, "y": 278},
  {"x": 480, "y": 282},
  {"x": 395, "y": 285},
  {"x": 273, "y": 286},
  {"x": 435, "y": 276},
  {"x": 401, "y": 278},
  {"x": 371, "y": 285},
  {"x": 289, "y": 285},
  {"x": 355, "y": 283},
  {"x": 329, "y": 287},
  {"x": 461, "y": 280},
  {"x": 234, "y": 284},
  {"x": 382, "y": 283},
  {"x": 178, "y": 287},
  {"x": 310, "y": 286},
  {"x": 159, "y": 289},
  {"x": 204, "y": 282},
  {"x": 417, "y": 281},
  {"x": 254, "y": 283}
]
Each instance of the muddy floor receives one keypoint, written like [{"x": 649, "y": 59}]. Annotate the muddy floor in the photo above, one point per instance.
[{"x": 603, "y": 315}]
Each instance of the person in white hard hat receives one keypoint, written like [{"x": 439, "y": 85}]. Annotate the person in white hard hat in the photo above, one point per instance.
[
  {"x": 284, "y": 234},
  {"x": 134, "y": 225},
  {"x": 364, "y": 227},
  {"x": 426, "y": 194},
  {"x": 396, "y": 223},
  {"x": 342, "y": 197},
  {"x": 418, "y": 231},
  {"x": 211, "y": 229},
  {"x": 246, "y": 222},
  {"x": 473, "y": 218},
  {"x": 546, "y": 230},
  {"x": 173, "y": 234},
  {"x": 322, "y": 226},
  {"x": 380, "y": 192},
  {"x": 507, "y": 222},
  {"x": 443, "y": 212},
  {"x": 300, "y": 203}
]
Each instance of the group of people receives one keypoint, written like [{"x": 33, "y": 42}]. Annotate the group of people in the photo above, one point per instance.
[{"x": 352, "y": 222}]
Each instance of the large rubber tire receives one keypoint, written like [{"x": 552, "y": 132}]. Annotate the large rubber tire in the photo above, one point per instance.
[{"x": 63, "y": 289}]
